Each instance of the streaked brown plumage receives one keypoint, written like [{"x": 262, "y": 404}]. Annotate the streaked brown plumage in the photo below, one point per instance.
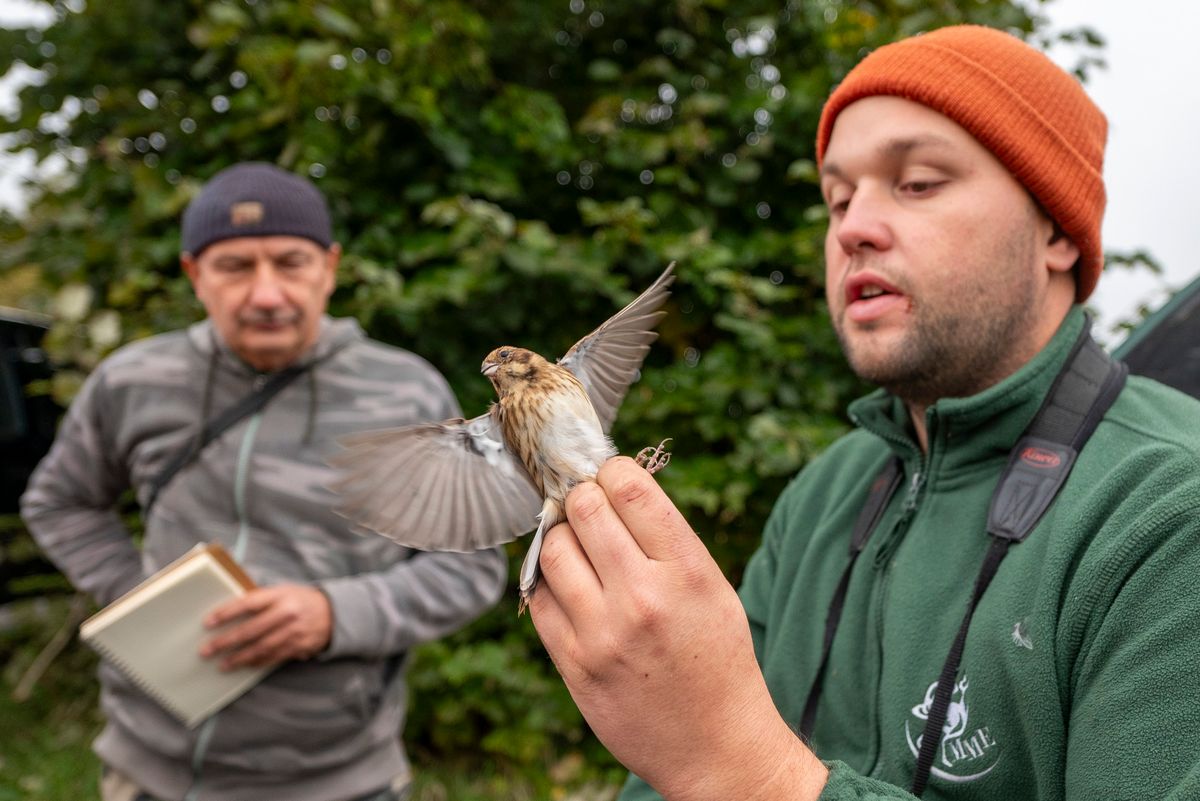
[{"x": 461, "y": 485}]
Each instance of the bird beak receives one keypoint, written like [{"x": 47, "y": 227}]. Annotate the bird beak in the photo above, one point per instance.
[{"x": 487, "y": 368}]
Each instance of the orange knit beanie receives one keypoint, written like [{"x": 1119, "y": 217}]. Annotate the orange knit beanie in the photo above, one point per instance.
[{"x": 1017, "y": 103}]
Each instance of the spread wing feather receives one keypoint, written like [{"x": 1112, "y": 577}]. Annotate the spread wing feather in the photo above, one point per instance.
[
  {"x": 607, "y": 360},
  {"x": 450, "y": 486}
]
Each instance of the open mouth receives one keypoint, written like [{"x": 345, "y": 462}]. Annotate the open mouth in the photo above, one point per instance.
[
  {"x": 871, "y": 291},
  {"x": 867, "y": 285},
  {"x": 869, "y": 296}
]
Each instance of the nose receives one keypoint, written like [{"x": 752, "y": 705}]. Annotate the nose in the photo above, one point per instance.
[
  {"x": 864, "y": 225},
  {"x": 266, "y": 292}
]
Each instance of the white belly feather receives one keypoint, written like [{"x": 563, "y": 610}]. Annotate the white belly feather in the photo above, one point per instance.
[{"x": 572, "y": 445}]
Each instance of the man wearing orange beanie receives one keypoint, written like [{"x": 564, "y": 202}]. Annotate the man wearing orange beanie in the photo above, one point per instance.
[{"x": 986, "y": 591}]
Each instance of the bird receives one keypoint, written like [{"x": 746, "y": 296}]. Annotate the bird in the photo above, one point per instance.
[{"x": 463, "y": 485}]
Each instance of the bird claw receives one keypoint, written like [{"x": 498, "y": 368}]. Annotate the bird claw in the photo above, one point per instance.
[{"x": 654, "y": 459}]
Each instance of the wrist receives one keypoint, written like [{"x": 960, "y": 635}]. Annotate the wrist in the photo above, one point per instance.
[
  {"x": 325, "y": 634},
  {"x": 770, "y": 763},
  {"x": 798, "y": 775}
]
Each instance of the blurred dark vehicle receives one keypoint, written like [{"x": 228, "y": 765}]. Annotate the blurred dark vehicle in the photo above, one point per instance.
[
  {"x": 27, "y": 425},
  {"x": 1166, "y": 345}
]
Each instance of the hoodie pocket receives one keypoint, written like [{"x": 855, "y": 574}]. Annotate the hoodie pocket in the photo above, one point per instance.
[{"x": 304, "y": 716}]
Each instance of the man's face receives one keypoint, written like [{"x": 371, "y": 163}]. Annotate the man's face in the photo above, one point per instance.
[
  {"x": 936, "y": 257},
  {"x": 265, "y": 295}
]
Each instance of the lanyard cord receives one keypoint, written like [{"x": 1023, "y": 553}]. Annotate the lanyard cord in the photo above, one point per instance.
[
  {"x": 882, "y": 490},
  {"x": 932, "y": 736}
]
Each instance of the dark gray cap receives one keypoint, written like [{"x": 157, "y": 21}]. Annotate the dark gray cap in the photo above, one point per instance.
[{"x": 255, "y": 199}]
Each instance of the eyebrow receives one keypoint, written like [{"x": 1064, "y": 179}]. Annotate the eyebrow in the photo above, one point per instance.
[
  {"x": 291, "y": 254},
  {"x": 281, "y": 255},
  {"x": 893, "y": 149},
  {"x": 231, "y": 259}
]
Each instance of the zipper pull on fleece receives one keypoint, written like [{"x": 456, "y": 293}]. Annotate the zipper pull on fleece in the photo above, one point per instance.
[
  {"x": 914, "y": 489},
  {"x": 896, "y": 532}
]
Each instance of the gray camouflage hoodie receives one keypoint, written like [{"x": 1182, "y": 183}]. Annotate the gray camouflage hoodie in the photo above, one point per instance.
[{"x": 317, "y": 730}]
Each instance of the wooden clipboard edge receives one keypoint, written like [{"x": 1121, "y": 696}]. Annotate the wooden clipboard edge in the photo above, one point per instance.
[{"x": 218, "y": 552}]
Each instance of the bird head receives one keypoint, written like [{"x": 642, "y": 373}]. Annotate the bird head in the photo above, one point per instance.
[{"x": 507, "y": 366}]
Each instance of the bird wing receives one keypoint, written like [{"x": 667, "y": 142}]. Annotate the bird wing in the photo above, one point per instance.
[
  {"x": 450, "y": 486},
  {"x": 607, "y": 360}
]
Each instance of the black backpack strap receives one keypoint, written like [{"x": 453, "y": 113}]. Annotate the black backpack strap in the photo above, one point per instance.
[
  {"x": 1037, "y": 469},
  {"x": 1042, "y": 458},
  {"x": 214, "y": 428},
  {"x": 882, "y": 490}
]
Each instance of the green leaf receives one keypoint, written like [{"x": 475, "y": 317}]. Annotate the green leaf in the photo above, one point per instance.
[
  {"x": 603, "y": 70},
  {"x": 336, "y": 22}
]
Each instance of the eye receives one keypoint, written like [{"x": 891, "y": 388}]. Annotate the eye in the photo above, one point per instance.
[
  {"x": 293, "y": 260},
  {"x": 504, "y": 354},
  {"x": 922, "y": 187},
  {"x": 838, "y": 201},
  {"x": 233, "y": 265}
]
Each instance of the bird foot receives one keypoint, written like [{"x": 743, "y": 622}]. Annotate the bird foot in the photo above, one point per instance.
[
  {"x": 523, "y": 603},
  {"x": 654, "y": 459}
]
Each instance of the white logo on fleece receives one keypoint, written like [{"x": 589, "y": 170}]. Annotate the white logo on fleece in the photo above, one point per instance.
[{"x": 966, "y": 752}]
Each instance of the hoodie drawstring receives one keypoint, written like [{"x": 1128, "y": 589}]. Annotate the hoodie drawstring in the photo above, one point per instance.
[
  {"x": 311, "y": 422},
  {"x": 209, "y": 382}
]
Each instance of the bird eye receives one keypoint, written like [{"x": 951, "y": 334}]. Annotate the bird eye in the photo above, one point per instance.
[{"x": 504, "y": 354}]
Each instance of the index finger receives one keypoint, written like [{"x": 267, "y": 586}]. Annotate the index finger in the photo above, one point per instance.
[
  {"x": 253, "y": 601},
  {"x": 603, "y": 538},
  {"x": 651, "y": 517}
]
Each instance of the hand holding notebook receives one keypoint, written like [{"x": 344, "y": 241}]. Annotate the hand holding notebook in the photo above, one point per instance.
[
  {"x": 154, "y": 632},
  {"x": 275, "y": 624}
]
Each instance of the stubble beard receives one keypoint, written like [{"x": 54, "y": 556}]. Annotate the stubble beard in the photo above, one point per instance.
[{"x": 961, "y": 342}]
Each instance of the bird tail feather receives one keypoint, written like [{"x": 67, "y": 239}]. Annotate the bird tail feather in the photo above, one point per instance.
[{"x": 551, "y": 515}]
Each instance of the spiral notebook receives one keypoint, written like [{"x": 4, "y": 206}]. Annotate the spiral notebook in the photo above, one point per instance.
[{"x": 153, "y": 633}]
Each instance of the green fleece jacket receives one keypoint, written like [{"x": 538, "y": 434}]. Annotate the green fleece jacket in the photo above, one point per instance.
[{"x": 1081, "y": 674}]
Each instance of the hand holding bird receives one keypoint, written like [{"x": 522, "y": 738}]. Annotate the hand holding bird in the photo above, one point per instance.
[{"x": 463, "y": 485}]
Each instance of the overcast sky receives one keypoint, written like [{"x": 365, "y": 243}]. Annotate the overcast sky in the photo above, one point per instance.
[{"x": 1151, "y": 95}]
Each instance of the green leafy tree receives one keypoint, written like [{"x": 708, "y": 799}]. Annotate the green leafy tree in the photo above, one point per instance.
[{"x": 500, "y": 172}]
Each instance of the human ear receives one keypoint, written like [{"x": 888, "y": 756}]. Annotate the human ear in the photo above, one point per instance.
[
  {"x": 191, "y": 268},
  {"x": 188, "y": 262},
  {"x": 333, "y": 258},
  {"x": 1061, "y": 251}
]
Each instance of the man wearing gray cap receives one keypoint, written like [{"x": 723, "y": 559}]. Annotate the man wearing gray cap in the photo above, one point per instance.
[{"x": 223, "y": 430}]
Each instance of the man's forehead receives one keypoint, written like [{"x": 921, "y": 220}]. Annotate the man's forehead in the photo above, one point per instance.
[
  {"x": 891, "y": 127},
  {"x": 251, "y": 246}
]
